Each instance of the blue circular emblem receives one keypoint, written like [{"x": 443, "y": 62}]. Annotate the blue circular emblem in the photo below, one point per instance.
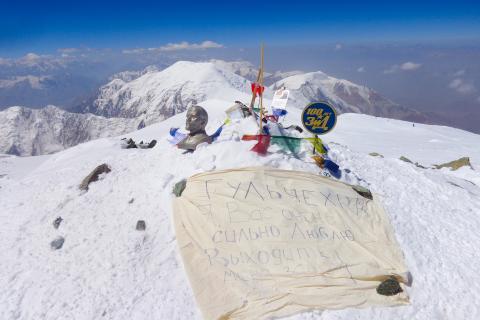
[{"x": 319, "y": 117}]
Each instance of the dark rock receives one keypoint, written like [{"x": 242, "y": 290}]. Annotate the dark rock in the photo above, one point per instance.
[
  {"x": 375, "y": 154},
  {"x": 405, "y": 159},
  {"x": 93, "y": 176},
  {"x": 141, "y": 226},
  {"x": 131, "y": 144},
  {"x": 131, "y": 201},
  {"x": 418, "y": 165},
  {"x": 389, "y": 287},
  {"x": 57, "y": 222},
  {"x": 152, "y": 144},
  {"x": 179, "y": 187},
  {"x": 146, "y": 145},
  {"x": 364, "y": 192},
  {"x": 456, "y": 164},
  {"x": 57, "y": 243}
]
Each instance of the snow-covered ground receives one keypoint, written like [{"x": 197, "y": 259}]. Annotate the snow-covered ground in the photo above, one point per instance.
[{"x": 108, "y": 270}]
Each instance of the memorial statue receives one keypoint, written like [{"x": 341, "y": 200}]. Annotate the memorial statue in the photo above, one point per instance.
[{"x": 197, "y": 118}]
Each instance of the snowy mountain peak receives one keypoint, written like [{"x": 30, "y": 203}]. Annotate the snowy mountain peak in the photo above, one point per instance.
[
  {"x": 346, "y": 96},
  {"x": 200, "y": 73},
  {"x": 157, "y": 95},
  {"x": 150, "y": 95},
  {"x": 295, "y": 81}
]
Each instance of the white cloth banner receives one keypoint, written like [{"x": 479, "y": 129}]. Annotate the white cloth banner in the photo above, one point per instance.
[{"x": 259, "y": 243}]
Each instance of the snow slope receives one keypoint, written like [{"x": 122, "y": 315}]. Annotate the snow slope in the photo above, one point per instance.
[
  {"x": 346, "y": 96},
  {"x": 158, "y": 95},
  {"x": 108, "y": 270}
]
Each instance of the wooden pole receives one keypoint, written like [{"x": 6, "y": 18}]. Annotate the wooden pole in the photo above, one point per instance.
[{"x": 261, "y": 94}]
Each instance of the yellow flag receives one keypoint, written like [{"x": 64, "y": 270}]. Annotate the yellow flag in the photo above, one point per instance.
[{"x": 317, "y": 144}]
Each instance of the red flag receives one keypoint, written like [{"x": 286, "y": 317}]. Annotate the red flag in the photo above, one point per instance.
[
  {"x": 262, "y": 146},
  {"x": 249, "y": 137},
  {"x": 257, "y": 89},
  {"x": 263, "y": 142}
]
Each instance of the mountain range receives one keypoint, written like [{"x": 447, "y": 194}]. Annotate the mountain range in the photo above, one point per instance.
[
  {"x": 26, "y": 131},
  {"x": 136, "y": 98}
]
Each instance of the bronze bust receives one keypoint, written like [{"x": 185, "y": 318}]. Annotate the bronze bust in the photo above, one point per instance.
[{"x": 197, "y": 118}]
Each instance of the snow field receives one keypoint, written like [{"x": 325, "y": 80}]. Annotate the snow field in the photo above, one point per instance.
[{"x": 108, "y": 270}]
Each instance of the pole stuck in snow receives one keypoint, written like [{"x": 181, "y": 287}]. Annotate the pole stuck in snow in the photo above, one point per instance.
[{"x": 261, "y": 90}]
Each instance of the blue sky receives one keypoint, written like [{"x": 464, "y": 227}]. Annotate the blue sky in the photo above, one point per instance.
[
  {"x": 421, "y": 54},
  {"x": 45, "y": 26}
]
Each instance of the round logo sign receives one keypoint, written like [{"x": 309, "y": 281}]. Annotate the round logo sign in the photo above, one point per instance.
[{"x": 319, "y": 117}]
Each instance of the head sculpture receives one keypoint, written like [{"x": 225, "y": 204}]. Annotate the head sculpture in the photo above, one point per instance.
[{"x": 197, "y": 119}]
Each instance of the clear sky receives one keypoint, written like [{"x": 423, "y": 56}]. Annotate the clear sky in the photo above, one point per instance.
[
  {"x": 45, "y": 26},
  {"x": 421, "y": 54}
]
